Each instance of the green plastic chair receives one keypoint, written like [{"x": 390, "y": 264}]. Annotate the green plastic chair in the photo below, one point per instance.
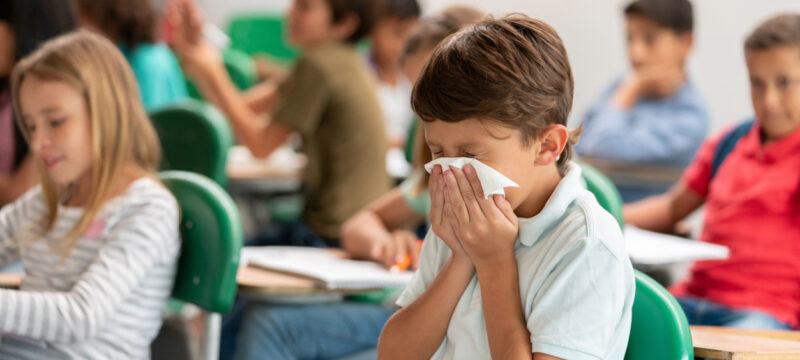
[
  {"x": 659, "y": 329},
  {"x": 241, "y": 69},
  {"x": 194, "y": 137},
  {"x": 262, "y": 34},
  {"x": 211, "y": 232},
  {"x": 604, "y": 190}
]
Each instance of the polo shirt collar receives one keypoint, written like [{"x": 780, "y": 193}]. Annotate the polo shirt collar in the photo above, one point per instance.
[
  {"x": 773, "y": 151},
  {"x": 565, "y": 193}
]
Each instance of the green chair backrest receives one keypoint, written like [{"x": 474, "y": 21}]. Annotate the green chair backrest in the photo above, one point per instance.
[
  {"x": 659, "y": 329},
  {"x": 262, "y": 34},
  {"x": 211, "y": 232},
  {"x": 241, "y": 69},
  {"x": 604, "y": 190},
  {"x": 194, "y": 137}
]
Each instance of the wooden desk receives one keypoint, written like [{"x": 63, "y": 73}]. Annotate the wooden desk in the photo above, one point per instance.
[
  {"x": 713, "y": 342},
  {"x": 628, "y": 174}
]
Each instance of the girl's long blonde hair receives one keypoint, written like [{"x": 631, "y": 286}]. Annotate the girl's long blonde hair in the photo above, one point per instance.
[{"x": 122, "y": 134}]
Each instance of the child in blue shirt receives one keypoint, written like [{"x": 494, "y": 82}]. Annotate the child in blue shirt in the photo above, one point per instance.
[{"x": 653, "y": 116}]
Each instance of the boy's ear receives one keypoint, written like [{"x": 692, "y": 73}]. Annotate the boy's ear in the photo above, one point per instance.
[
  {"x": 551, "y": 144},
  {"x": 348, "y": 25},
  {"x": 687, "y": 42}
]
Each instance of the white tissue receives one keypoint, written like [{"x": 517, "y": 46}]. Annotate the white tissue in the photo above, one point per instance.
[{"x": 492, "y": 181}]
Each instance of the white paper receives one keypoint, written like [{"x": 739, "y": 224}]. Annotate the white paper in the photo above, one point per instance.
[
  {"x": 320, "y": 264},
  {"x": 650, "y": 248},
  {"x": 492, "y": 181}
]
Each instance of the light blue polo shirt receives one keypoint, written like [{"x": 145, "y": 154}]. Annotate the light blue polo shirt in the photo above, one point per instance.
[{"x": 576, "y": 282}]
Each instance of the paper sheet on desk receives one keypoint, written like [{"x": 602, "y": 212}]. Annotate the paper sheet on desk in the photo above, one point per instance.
[
  {"x": 650, "y": 248},
  {"x": 320, "y": 264},
  {"x": 492, "y": 181}
]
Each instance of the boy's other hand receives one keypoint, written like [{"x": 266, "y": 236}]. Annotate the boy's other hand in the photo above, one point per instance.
[
  {"x": 486, "y": 228},
  {"x": 441, "y": 217},
  {"x": 394, "y": 250}
]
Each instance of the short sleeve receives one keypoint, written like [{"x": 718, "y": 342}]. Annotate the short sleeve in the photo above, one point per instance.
[
  {"x": 303, "y": 97},
  {"x": 429, "y": 265},
  {"x": 697, "y": 176},
  {"x": 583, "y": 308},
  {"x": 416, "y": 197}
]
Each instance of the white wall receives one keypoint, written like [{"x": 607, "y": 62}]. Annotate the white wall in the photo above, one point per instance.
[{"x": 593, "y": 31}]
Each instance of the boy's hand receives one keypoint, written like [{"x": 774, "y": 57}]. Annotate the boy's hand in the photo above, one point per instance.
[
  {"x": 440, "y": 216},
  {"x": 198, "y": 56},
  {"x": 659, "y": 81},
  {"x": 486, "y": 228},
  {"x": 394, "y": 250}
]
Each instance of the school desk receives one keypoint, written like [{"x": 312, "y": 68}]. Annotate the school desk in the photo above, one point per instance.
[
  {"x": 712, "y": 342},
  {"x": 636, "y": 175}
]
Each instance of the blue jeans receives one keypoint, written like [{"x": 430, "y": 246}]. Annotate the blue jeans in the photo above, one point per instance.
[
  {"x": 318, "y": 331},
  {"x": 704, "y": 312}
]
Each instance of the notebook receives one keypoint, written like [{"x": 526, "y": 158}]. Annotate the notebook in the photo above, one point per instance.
[
  {"x": 327, "y": 267},
  {"x": 650, "y": 248}
]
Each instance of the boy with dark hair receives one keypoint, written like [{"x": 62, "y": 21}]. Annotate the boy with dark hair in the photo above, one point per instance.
[
  {"x": 749, "y": 180},
  {"x": 654, "y": 115},
  {"x": 539, "y": 272}
]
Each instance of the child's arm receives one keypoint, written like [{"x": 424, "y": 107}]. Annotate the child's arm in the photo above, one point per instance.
[
  {"x": 203, "y": 63},
  {"x": 661, "y": 213},
  {"x": 138, "y": 244},
  {"x": 487, "y": 228},
  {"x": 262, "y": 97},
  {"x": 417, "y": 330},
  {"x": 379, "y": 232},
  {"x": 13, "y": 218},
  {"x": 663, "y": 134}
]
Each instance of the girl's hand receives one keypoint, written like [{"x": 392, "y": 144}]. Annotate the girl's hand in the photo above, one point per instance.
[
  {"x": 440, "y": 216},
  {"x": 395, "y": 249},
  {"x": 485, "y": 228},
  {"x": 199, "y": 58}
]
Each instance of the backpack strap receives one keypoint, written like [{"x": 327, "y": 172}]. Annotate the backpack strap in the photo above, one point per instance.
[{"x": 727, "y": 144}]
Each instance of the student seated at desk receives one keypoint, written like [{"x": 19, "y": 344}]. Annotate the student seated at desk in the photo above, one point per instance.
[
  {"x": 328, "y": 98},
  {"x": 397, "y": 20},
  {"x": 131, "y": 24},
  {"x": 654, "y": 115},
  {"x": 749, "y": 180},
  {"x": 24, "y": 25},
  {"x": 99, "y": 237},
  {"x": 381, "y": 232},
  {"x": 540, "y": 273}
]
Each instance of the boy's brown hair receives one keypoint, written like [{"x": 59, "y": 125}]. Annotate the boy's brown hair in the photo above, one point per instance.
[
  {"x": 513, "y": 70},
  {"x": 779, "y": 30},
  {"x": 367, "y": 12},
  {"x": 129, "y": 22},
  {"x": 676, "y": 15}
]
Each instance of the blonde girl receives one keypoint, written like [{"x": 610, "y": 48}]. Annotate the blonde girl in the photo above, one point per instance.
[{"x": 99, "y": 237}]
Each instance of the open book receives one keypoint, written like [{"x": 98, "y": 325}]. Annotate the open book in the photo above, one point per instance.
[
  {"x": 650, "y": 248},
  {"x": 325, "y": 266}
]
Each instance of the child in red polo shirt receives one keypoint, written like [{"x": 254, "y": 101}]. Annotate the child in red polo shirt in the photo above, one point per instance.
[{"x": 749, "y": 180}]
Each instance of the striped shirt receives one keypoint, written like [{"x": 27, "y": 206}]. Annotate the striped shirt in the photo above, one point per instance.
[{"x": 105, "y": 300}]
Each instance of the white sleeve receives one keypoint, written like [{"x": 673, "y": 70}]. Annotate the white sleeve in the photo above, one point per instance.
[{"x": 14, "y": 217}]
